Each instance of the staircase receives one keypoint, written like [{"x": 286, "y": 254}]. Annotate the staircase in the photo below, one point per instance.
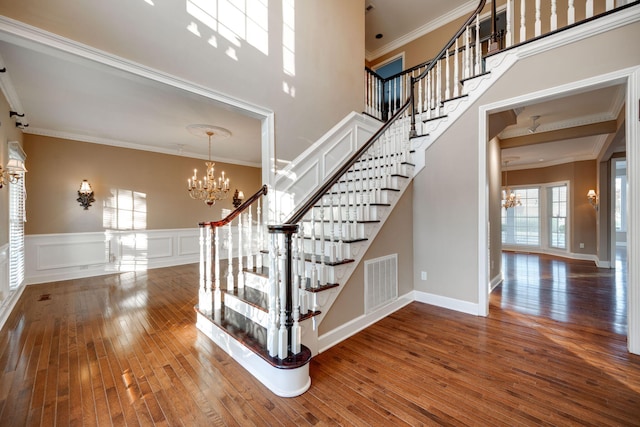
[{"x": 264, "y": 289}]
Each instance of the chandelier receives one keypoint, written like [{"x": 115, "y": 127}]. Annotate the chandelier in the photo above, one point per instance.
[
  {"x": 210, "y": 189},
  {"x": 509, "y": 198}
]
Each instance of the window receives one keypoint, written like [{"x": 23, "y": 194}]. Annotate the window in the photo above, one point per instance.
[
  {"x": 558, "y": 217},
  {"x": 620, "y": 195},
  {"x": 392, "y": 92},
  {"x": 541, "y": 221},
  {"x": 521, "y": 225},
  {"x": 17, "y": 217}
]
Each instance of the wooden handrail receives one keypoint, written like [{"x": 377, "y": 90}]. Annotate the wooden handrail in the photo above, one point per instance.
[
  {"x": 226, "y": 220},
  {"x": 438, "y": 57}
]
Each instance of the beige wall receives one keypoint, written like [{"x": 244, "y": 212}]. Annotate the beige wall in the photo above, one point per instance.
[
  {"x": 445, "y": 204},
  {"x": 582, "y": 177},
  {"x": 8, "y": 132},
  {"x": 327, "y": 51},
  {"x": 57, "y": 166},
  {"x": 395, "y": 237}
]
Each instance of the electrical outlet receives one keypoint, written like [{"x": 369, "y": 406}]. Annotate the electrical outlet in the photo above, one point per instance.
[
  {"x": 581, "y": 245},
  {"x": 423, "y": 275}
]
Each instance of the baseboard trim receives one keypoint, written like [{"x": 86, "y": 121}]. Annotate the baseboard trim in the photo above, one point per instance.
[
  {"x": 9, "y": 304},
  {"x": 495, "y": 282},
  {"x": 448, "y": 303},
  {"x": 341, "y": 333}
]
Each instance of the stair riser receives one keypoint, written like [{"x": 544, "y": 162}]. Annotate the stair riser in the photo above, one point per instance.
[
  {"x": 368, "y": 185},
  {"x": 256, "y": 314},
  {"x": 330, "y": 248},
  {"x": 347, "y": 213},
  {"x": 350, "y": 230}
]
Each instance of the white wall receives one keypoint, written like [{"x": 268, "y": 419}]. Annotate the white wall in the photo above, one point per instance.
[{"x": 302, "y": 60}]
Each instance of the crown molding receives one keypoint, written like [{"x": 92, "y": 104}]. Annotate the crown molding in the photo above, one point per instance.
[
  {"x": 566, "y": 124},
  {"x": 442, "y": 20},
  {"x": 132, "y": 146}
]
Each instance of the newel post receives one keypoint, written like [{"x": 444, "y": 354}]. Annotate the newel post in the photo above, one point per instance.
[{"x": 286, "y": 292}]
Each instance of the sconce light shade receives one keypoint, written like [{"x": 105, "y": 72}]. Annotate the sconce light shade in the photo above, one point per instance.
[
  {"x": 12, "y": 172},
  {"x": 85, "y": 195},
  {"x": 593, "y": 198},
  {"x": 238, "y": 197}
]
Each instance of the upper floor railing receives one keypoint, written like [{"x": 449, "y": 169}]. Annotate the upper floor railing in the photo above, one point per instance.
[{"x": 442, "y": 77}]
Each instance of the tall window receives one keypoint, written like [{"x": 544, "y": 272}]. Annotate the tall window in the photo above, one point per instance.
[
  {"x": 558, "y": 217},
  {"x": 17, "y": 218},
  {"x": 521, "y": 225},
  {"x": 541, "y": 221}
]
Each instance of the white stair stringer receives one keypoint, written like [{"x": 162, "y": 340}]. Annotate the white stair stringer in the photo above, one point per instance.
[{"x": 496, "y": 66}]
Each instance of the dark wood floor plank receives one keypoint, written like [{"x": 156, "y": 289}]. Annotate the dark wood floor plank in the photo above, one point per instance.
[{"x": 123, "y": 350}]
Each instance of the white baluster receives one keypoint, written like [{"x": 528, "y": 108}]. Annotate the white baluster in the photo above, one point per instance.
[
  {"x": 347, "y": 229},
  {"x": 428, "y": 95},
  {"x": 523, "y": 25},
  {"x": 339, "y": 246},
  {"x": 467, "y": 53},
  {"x": 420, "y": 105},
  {"x": 301, "y": 258},
  {"x": 332, "y": 237},
  {"x": 509, "y": 26},
  {"x": 478, "y": 61},
  {"x": 216, "y": 260},
  {"x": 447, "y": 85},
  {"x": 250, "y": 249},
  {"x": 230, "y": 281},
  {"x": 283, "y": 337},
  {"x": 456, "y": 71},
  {"x": 538, "y": 27},
  {"x": 296, "y": 332},
  {"x": 610, "y": 5},
  {"x": 438, "y": 88},
  {"x": 240, "y": 253},
  {"x": 553, "y": 25},
  {"x": 204, "y": 294},
  {"x": 314, "y": 269},
  {"x": 321, "y": 275},
  {"x": 571, "y": 13},
  {"x": 589, "y": 8},
  {"x": 272, "y": 332}
]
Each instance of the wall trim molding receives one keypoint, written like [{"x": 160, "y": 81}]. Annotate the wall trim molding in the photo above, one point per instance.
[
  {"x": 448, "y": 303},
  {"x": 66, "y": 256}
]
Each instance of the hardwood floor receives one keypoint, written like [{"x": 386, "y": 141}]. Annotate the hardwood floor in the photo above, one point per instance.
[{"x": 123, "y": 350}]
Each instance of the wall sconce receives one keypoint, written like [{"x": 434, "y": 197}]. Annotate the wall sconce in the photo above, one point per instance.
[
  {"x": 85, "y": 195},
  {"x": 238, "y": 197},
  {"x": 593, "y": 198},
  {"x": 11, "y": 173}
]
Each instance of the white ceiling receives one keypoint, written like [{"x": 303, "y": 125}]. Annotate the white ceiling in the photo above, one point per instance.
[{"x": 76, "y": 98}]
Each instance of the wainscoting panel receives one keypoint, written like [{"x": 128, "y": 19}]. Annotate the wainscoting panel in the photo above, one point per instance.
[
  {"x": 70, "y": 254},
  {"x": 55, "y": 257},
  {"x": 293, "y": 183}
]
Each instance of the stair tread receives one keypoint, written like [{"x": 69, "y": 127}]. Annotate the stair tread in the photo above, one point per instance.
[
  {"x": 435, "y": 118},
  {"x": 462, "y": 81}
]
